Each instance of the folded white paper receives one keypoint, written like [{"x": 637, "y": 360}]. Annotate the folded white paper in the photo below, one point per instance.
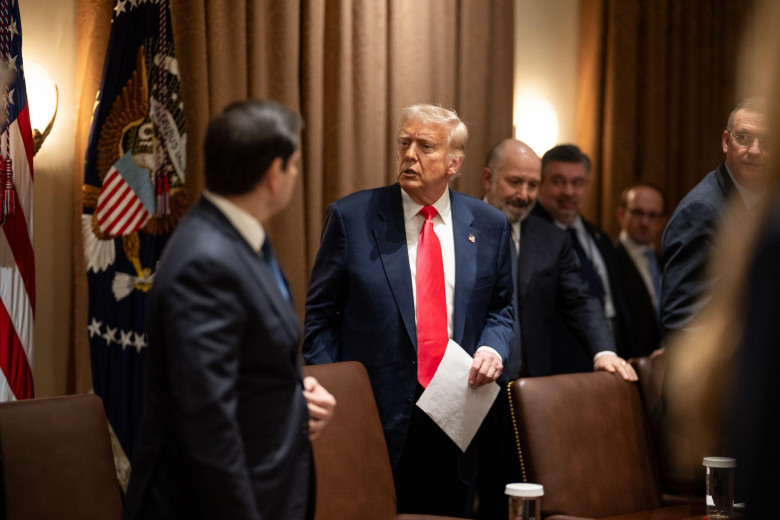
[{"x": 457, "y": 408}]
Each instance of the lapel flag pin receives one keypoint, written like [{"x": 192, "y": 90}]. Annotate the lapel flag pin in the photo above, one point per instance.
[{"x": 471, "y": 238}]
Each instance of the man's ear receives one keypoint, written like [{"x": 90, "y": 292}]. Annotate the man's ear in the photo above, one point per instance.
[
  {"x": 725, "y": 141},
  {"x": 455, "y": 164},
  {"x": 487, "y": 178},
  {"x": 273, "y": 175}
]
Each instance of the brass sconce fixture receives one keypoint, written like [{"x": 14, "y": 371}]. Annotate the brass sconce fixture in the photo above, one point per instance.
[{"x": 43, "y": 98}]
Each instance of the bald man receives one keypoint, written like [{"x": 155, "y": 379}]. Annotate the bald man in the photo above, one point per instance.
[
  {"x": 549, "y": 294},
  {"x": 550, "y": 291}
]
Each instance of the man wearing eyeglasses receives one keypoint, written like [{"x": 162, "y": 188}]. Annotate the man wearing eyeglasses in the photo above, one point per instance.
[
  {"x": 688, "y": 239},
  {"x": 642, "y": 215}
]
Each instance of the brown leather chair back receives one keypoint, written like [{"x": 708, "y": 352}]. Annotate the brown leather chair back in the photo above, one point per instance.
[
  {"x": 57, "y": 460},
  {"x": 651, "y": 374},
  {"x": 677, "y": 467},
  {"x": 585, "y": 438},
  {"x": 354, "y": 479}
]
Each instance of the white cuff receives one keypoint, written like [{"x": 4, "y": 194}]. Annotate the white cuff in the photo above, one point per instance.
[
  {"x": 604, "y": 353},
  {"x": 494, "y": 352}
]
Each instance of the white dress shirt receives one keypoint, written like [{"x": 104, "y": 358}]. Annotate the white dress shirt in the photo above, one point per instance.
[
  {"x": 593, "y": 254},
  {"x": 247, "y": 226},
  {"x": 442, "y": 226},
  {"x": 750, "y": 198}
]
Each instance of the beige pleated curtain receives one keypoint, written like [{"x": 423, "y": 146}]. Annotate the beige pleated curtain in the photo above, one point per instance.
[
  {"x": 349, "y": 67},
  {"x": 656, "y": 84}
]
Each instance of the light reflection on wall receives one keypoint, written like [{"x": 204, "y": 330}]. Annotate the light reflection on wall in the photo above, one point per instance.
[
  {"x": 40, "y": 93},
  {"x": 535, "y": 122}
]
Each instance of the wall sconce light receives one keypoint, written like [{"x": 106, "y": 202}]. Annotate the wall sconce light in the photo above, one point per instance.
[
  {"x": 43, "y": 98},
  {"x": 536, "y": 123}
]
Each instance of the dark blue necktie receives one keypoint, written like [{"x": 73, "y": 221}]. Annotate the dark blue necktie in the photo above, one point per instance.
[
  {"x": 589, "y": 274},
  {"x": 655, "y": 274},
  {"x": 270, "y": 259}
]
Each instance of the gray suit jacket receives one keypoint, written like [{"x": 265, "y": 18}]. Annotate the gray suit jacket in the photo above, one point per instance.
[{"x": 224, "y": 433}]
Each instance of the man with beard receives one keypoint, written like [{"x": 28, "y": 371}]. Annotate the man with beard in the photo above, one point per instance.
[
  {"x": 549, "y": 294},
  {"x": 562, "y": 192}
]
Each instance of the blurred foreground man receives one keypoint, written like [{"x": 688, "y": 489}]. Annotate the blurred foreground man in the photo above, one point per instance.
[
  {"x": 401, "y": 270},
  {"x": 550, "y": 294},
  {"x": 228, "y": 416},
  {"x": 688, "y": 239},
  {"x": 641, "y": 215}
]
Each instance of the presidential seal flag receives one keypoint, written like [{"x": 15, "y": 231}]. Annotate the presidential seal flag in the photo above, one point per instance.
[
  {"x": 17, "y": 262},
  {"x": 133, "y": 197}
]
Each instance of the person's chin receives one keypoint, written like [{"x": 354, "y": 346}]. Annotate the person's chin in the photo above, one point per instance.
[
  {"x": 566, "y": 216},
  {"x": 408, "y": 181}
]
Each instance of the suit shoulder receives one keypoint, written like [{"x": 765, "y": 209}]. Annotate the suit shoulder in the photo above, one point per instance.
[
  {"x": 622, "y": 258},
  {"x": 597, "y": 233},
  {"x": 199, "y": 238},
  {"x": 708, "y": 193},
  {"x": 479, "y": 208},
  {"x": 363, "y": 199},
  {"x": 536, "y": 224}
]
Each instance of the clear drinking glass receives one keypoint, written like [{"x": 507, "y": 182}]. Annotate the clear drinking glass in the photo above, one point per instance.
[
  {"x": 720, "y": 486},
  {"x": 525, "y": 501}
]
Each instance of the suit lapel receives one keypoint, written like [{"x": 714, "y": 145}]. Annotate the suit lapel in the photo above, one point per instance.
[
  {"x": 526, "y": 259},
  {"x": 257, "y": 268},
  {"x": 466, "y": 240},
  {"x": 731, "y": 196},
  {"x": 267, "y": 281},
  {"x": 390, "y": 236}
]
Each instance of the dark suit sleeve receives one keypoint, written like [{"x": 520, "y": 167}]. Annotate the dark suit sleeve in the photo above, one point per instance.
[
  {"x": 498, "y": 331},
  {"x": 687, "y": 246},
  {"x": 581, "y": 312},
  {"x": 325, "y": 300},
  {"x": 204, "y": 327},
  {"x": 757, "y": 398}
]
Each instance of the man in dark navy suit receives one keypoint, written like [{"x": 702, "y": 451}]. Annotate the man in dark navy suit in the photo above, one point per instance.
[
  {"x": 365, "y": 299},
  {"x": 642, "y": 215},
  {"x": 688, "y": 240},
  {"x": 228, "y": 416},
  {"x": 550, "y": 289},
  {"x": 550, "y": 293},
  {"x": 562, "y": 193}
]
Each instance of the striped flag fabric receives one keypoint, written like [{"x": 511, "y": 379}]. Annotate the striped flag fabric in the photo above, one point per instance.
[
  {"x": 132, "y": 196},
  {"x": 17, "y": 260},
  {"x": 126, "y": 198}
]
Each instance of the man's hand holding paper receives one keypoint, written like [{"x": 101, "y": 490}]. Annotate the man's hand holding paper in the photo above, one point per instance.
[{"x": 461, "y": 392}]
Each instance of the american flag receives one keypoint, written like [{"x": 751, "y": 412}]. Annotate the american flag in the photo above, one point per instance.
[
  {"x": 133, "y": 196},
  {"x": 126, "y": 198},
  {"x": 17, "y": 261}
]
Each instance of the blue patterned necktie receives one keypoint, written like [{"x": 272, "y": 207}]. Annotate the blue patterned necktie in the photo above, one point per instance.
[
  {"x": 655, "y": 275},
  {"x": 270, "y": 259},
  {"x": 589, "y": 274}
]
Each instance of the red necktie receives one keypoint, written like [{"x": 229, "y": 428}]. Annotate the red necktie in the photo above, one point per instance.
[{"x": 431, "y": 303}]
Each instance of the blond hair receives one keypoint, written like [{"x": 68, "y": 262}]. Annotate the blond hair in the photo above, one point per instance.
[{"x": 438, "y": 115}]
